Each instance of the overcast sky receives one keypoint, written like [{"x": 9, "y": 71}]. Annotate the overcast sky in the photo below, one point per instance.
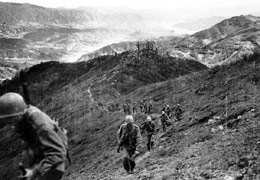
[{"x": 189, "y": 7}]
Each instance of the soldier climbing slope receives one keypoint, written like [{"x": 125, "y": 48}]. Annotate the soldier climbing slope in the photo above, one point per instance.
[
  {"x": 178, "y": 112},
  {"x": 134, "y": 108},
  {"x": 168, "y": 110},
  {"x": 45, "y": 143},
  {"x": 129, "y": 140},
  {"x": 165, "y": 120},
  {"x": 149, "y": 127}
]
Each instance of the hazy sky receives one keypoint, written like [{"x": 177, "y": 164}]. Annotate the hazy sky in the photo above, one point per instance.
[{"x": 189, "y": 7}]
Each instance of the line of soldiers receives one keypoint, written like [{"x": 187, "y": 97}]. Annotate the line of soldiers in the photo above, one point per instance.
[
  {"x": 128, "y": 107},
  {"x": 45, "y": 142},
  {"x": 166, "y": 115},
  {"x": 112, "y": 107},
  {"x": 130, "y": 139},
  {"x": 145, "y": 107}
]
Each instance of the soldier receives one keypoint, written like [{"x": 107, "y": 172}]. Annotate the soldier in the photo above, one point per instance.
[
  {"x": 141, "y": 106},
  {"x": 165, "y": 120},
  {"x": 134, "y": 108},
  {"x": 178, "y": 112},
  {"x": 168, "y": 110},
  {"x": 149, "y": 127},
  {"x": 128, "y": 108},
  {"x": 163, "y": 108},
  {"x": 117, "y": 108},
  {"x": 146, "y": 107},
  {"x": 124, "y": 108},
  {"x": 150, "y": 106},
  {"x": 129, "y": 140},
  {"x": 45, "y": 145}
]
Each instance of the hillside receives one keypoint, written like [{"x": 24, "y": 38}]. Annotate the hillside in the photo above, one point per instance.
[
  {"x": 65, "y": 91},
  {"x": 198, "y": 147}
]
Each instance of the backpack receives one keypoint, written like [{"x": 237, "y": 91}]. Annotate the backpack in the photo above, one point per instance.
[
  {"x": 62, "y": 133},
  {"x": 149, "y": 127},
  {"x": 129, "y": 136}
]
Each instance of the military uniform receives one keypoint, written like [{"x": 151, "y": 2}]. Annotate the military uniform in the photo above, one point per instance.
[
  {"x": 129, "y": 141},
  {"x": 44, "y": 150}
]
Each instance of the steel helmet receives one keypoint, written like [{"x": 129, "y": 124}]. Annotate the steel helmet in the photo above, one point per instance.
[
  {"x": 11, "y": 104},
  {"x": 129, "y": 119}
]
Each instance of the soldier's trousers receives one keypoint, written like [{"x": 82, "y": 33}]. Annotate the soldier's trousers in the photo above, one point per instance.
[
  {"x": 52, "y": 175},
  {"x": 149, "y": 142},
  {"x": 128, "y": 160}
]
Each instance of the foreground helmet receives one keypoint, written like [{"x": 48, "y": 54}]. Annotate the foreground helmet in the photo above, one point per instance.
[{"x": 11, "y": 104}]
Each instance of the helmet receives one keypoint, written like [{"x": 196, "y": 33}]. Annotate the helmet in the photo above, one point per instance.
[
  {"x": 11, "y": 104},
  {"x": 148, "y": 118},
  {"x": 129, "y": 119}
]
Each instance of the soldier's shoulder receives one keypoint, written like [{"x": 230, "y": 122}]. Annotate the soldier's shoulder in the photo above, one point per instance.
[{"x": 136, "y": 126}]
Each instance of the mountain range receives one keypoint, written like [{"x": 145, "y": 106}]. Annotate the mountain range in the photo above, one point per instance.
[
  {"x": 31, "y": 34},
  {"x": 227, "y": 41}
]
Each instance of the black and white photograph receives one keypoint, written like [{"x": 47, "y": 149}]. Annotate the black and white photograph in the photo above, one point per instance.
[{"x": 129, "y": 90}]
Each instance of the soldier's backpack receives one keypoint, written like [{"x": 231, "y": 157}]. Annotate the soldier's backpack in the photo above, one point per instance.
[
  {"x": 148, "y": 126},
  {"x": 63, "y": 136},
  {"x": 129, "y": 136}
]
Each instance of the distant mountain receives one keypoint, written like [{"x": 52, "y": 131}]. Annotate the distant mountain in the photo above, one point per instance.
[
  {"x": 197, "y": 25},
  {"x": 226, "y": 27},
  {"x": 33, "y": 33},
  {"x": 226, "y": 41},
  {"x": 27, "y": 15}
]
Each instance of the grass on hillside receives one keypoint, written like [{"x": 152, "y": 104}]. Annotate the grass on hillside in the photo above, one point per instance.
[{"x": 194, "y": 148}]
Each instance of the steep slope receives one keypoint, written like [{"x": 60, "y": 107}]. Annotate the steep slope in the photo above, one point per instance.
[
  {"x": 194, "y": 148},
  {"x": 198, "y": 147},
  {"x": 67, "y": 91}
]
